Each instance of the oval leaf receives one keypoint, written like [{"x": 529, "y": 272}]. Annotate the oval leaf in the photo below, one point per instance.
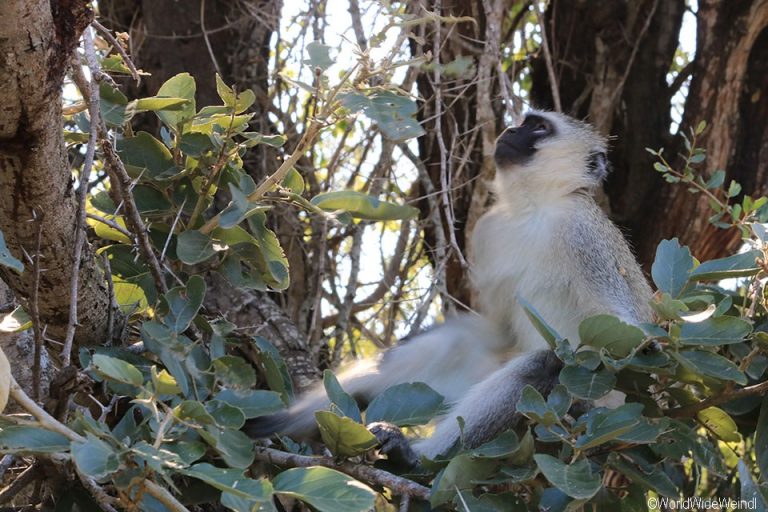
[
  {"x": 325, "y": 489},
  {"x": 363, "y": 206},
  {"x": 405, "y": 405}
]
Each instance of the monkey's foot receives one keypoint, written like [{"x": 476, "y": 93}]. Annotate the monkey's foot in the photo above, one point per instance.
[{"x": 394, "y": 444}]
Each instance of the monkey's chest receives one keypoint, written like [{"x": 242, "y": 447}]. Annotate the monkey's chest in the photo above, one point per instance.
[{"x": 517, "y": 262}]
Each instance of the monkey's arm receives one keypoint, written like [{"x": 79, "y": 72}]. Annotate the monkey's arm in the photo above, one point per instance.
[
  {"x": 450, "y": 358},
  {"x": 488, "y": 409},
  {"x": 601, "y": 268}
]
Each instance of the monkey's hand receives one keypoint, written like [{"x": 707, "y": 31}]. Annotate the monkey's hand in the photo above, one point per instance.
[{"x": 393, "y": 444}]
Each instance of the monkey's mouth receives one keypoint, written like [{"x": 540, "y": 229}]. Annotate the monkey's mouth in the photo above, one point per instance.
[{"x": 508, "y": 153}]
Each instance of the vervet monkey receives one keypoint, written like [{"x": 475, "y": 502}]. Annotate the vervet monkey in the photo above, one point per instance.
[{"x": 544, "y": 240}]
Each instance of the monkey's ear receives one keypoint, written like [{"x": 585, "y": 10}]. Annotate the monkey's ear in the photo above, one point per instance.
[{"x": 599, "y": 167}]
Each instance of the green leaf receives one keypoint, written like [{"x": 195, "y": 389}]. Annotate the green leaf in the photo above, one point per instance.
[
  {"x": 606, "y": 331},
  {"x": 576, "y": 480},
  {"x": 7, "y": 259},
  {"x": 761, "y": 438},
  {"x": 294, "y": 182},
  {"x": 547, "y": 332},
  {"x": 273, "y": 263},
  {"x": 234, "y": 372},
  {"x": 179, "y": 86},
  {"x": 261, "y": 488},
  {"x": 392, "y": 112},
  {"x": 459, "y": 475},
  {"x": 195, "y": 144},
  {"x": 343, "y": 401},
  {"x": 559, "y": 400},
  {"x": 502, "y": 446},
  {"x": 405, "y": 405},
  {"x": 254, "y": 138},
  {"x": 716, "y": 180},
  {"x": 722, "y": 330},
  {"x": 147, "y": 157},
  {"x": 750, "y": 491},
  {"x": 719, "y": 423},
  {"x": 194, "y": 247},
  {"x": 112, "y": 104},
  {"x": 117, "y": 369},
  {"x": 344, "y": 436},
  {"x": 645, "y": 431},
  {"x": 325, "y": 489},
  {"x": 172, "y": 348},
  {"x": 225, "y": 415},
  {"x": 712, "y": 365},
  {"x": 276, "y": 372},
  {"x": 181, "y": 304},
  {"x": 363, "y": 206},
  {"x": 647, "y": 475},
  {"x": 586, "y": 384},
  {"x": 155, "y": 103},
  {"x": 239, "y": 102},
  {"x": 94, "y": 457},
  {"x": 228, "y": 480},
  {"x": 607, "y": 426},
  {"x": 532, "y": 405},
  {"x": 734, "y": 189},
  {"x": 671, "y": 267},
  {"x": 738, "y": 265},
  {"x": 319, "y": 55},
  {"x": 192, "y": 411},
  {"x": 27, "y": 439},
  {"x": 253, "y": 402},
  {"x": 234, "y": 446}
]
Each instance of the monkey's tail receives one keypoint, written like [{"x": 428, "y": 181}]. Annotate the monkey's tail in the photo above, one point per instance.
[{"x": 450, "y": 358}]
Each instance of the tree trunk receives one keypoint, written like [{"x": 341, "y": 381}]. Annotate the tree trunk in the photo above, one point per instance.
[
  {"x": 622, "y": 50},
  {"x": 728, "y": 90},
  {"x": 36, "y": 41}
]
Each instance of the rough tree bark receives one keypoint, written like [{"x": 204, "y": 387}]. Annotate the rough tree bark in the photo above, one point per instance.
[
  {"x": 728, "y": 90},
  {"x": 36, "y": 41},
  {"x": 623, "y": 51}
]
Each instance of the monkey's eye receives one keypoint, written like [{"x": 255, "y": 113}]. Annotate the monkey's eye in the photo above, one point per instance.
[{"x": 542, "y": 129}]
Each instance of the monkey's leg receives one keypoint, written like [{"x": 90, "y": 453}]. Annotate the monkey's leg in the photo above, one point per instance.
[{"x": 490, "y": 407}]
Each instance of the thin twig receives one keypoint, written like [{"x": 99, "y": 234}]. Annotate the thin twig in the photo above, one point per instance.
[
  {"x": 104, "y": 500},
  {"x": 548, "y": 60},
  {"x": 117, "y": 46},
  {"x": 85, "y": 175},
  {"x": 207, "y": 41},
  {"x": 121, "y": 183},
  {"x": 399, "y": 485},
  {"x": 114, "y": 225},
  {"x": 19, "y": 483},
  {"x": 691, "y": 410},
  {"x": 445, "y": 170},
  {"x": 6, "y": 463}
]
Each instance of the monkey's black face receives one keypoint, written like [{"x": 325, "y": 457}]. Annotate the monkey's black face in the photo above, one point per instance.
[{"x": 517, "y": 145}]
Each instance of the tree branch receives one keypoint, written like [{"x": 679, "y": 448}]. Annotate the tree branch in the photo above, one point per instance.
[{"x": 399, "y": 485}]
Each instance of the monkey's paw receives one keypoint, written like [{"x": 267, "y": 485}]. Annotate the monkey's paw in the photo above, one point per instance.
[{"x": 393, "y": 444}]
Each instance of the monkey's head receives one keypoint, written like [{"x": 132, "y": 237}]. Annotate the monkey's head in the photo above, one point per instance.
[{"x": 551, "y": 153}]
